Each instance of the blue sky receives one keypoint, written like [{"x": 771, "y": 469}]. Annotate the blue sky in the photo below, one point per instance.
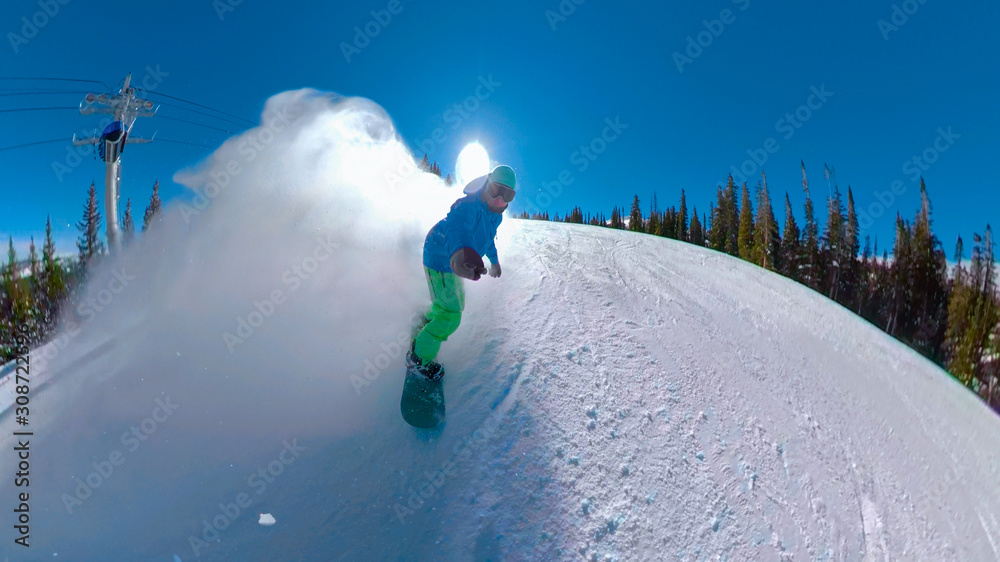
[{"x": 921, "y": 84}]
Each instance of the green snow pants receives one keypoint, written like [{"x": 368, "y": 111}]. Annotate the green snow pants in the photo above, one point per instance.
[{"x": 447, "y": 304}]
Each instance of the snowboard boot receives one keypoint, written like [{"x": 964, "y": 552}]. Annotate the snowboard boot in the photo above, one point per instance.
[
  {"x": 419, "y": 326},
  {"x": 430, "y": 370}
]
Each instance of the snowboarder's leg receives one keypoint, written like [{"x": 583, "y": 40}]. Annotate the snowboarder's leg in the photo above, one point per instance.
[{"x": 447, "y": 304}]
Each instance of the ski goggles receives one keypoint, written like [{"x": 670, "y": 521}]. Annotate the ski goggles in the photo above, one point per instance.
[{"x": 495, "y": 189}]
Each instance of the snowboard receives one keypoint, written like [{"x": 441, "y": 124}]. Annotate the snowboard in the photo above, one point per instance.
[{"x": 422, "y": 404}]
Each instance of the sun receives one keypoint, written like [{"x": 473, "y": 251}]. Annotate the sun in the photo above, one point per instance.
[{"x": 473, "y": 162}]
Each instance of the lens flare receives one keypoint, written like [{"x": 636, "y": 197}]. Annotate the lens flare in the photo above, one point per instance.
[{"x": 473, "y": 162}]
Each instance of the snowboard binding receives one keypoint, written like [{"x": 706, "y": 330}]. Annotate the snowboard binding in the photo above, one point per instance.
[{"x": 429, "y": 370}]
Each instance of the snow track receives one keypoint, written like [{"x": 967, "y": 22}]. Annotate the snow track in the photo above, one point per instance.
[{"x": 616, "y": 396}]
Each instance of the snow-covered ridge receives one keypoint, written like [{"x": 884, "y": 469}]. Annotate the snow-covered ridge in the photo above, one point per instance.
[{"x": 613, "y": 396}]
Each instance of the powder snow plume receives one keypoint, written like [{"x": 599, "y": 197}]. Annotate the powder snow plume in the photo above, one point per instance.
[{"x": 302, "y": 242}]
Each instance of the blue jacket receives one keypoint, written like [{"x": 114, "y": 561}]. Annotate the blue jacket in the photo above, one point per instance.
[{"x": 469, "y": 224}]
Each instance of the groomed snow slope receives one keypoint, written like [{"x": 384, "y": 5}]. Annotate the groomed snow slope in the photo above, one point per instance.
[{"x": 613, "y": 396}]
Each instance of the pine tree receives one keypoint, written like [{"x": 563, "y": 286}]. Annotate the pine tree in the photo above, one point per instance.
[
  {"x": 89, "y": 243},
  {"x": 655, "y": 216},
  {"x": 635, "y": 223},
  {"x": 849, "y": 267},
  {"x": 706, "y": 224},
  {"x": 34, "y": 284},
  {"x": 653, "y": 224},
  {"x": 717, "y": 234},
  {"x": 33, "y": 261},
  {"x": 154, "y": 206},
  {"x": 929, "y": 282},
  {"x": 862, "y": 289},
  {"x": 973, "y": 315},
  {"x": 10, "y": 282},
  {"x": 961, "y": 362},
  {"x": 790, "y": 252},
  {"x": 669, "y": 224},
  {"x": 8, "y": 292},
  {"x": 128, "y": 228},
  {"x": 811, "y": 273},
  {"x": 732, "y": 219},
  {"x": 682, "y": 220},
  {"x": 696, "y": 235},
  {"x": 53, "y": 278},
  {"x": 766, "y": 243},
  {"x": 745, "y": 235},
  {"x": 900, "y": 317},
  {"x": 616, "y": 219},
  {"x": 833, "y": 244},
  {"x": 991, "y": 321},
  {"x": 15, "y": 308}
]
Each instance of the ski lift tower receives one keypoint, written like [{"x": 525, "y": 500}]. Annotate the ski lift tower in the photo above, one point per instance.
[{"x": 125, "y": 107}]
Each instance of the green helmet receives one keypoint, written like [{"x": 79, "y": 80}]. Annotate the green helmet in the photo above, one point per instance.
[{"x": 504, "y": 175}]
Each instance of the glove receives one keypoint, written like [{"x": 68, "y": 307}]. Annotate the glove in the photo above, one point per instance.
[
  {"x": 467, "y": 263},
  {"x": 494, "y": 270}
]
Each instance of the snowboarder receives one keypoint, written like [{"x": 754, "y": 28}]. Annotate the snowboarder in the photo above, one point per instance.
[{"x": 453, "y": 250}]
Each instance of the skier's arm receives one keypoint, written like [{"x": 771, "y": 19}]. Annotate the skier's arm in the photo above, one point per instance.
[
  {"x": 458, "y": 233},
  {"x": 491, "y": 253}
]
